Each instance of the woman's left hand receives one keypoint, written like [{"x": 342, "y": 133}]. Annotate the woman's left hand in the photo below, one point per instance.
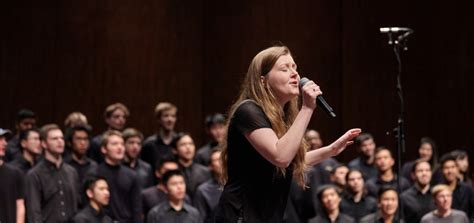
[{"x": 345, "y": 140}]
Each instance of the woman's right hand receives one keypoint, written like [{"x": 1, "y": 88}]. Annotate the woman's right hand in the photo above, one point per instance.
[{"x": 309, "y": 93}]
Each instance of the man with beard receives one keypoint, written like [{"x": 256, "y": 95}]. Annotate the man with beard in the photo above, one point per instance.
[
  {"x": 417, "y": 200},
  {"x": 158, "y": 146},
  {"x": 462, "y": 194},
  {"x": 365, "y": 162},
  {"x": 133, "y": 146},
  {"x": 52, "y": 185}
]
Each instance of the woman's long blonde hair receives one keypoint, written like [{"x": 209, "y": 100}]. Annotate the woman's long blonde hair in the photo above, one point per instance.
[{"x": 280, "y": 118}]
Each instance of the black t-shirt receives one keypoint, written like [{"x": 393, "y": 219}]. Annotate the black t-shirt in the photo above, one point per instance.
[
  {"x": 11, "y": 189},
  {"x": 254, "y": 190}
]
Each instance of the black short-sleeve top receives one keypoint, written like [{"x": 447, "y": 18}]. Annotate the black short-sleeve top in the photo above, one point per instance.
[{"x": 254, "y": 189}]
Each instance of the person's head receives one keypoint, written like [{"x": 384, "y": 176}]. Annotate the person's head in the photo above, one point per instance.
[
  {"x": 387, "y": 200},
  {"x": 313, "y": 138},
  {"x": 215, "y": 127},
  {"x": 166, "y": 115},
  {"x": 4, "y": 134},
  {"x": 426, "y": 148},
  {"x": 443, "y": 197},
  {"x": 133, "y": 143},
  {"x": 97, "y": 190},
  {"x": 78, "y": 139},
  {"x": 383, "y": 159},
  {"x": 175, "y": 185},
  {"x": 184, "y": 147},
  {"x": 462, "y": 160},
  {"x": 329, "y": 197},
  {"x": 116, "y": 116},
  {"x": 113, "y": 146},
  {"x": 421, "y": 172},
  {"x": 52, "y": 139},
  {"x": 164, "y": 165},
  {"x": 355, "y": 181},
  {"x": 215, "y": 164},
  {"x": 75, "y": 119},
  {"x": 273, "y": 83},
  {"x": 25, "y": 119},
  {"x": 366, "y": 144},
  {"x": 449, "y": 167},
  {"x": 30, "y": 141},
  {"x": 338, "y": 175}
]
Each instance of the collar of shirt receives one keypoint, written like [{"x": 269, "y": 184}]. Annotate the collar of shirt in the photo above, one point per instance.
[
  {"x": 52, "y": 165},
  {"x": 168, "y": 207}
]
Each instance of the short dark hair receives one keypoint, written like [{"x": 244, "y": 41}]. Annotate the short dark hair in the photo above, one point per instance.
[
  {"x": 447, "y": 157},
  {"x": 69, "y": 134},
  {"x": 459, "y": 154},
  {"x": 132, "y": 132},
  {"x": 166, "y": 159},
  {"x": 325, "y": 187},
  {"x": 382, "y": 148},
  {"x": 171, "y": 173},
  {"x": 337, "y": 166},
  {"x": 352, "y": 170},
  {"x": 24, "y": 114},
  {"x": 383, "y": 189},
  {"x": 216, "y": 118},
  {"x": 90, "y": 181},
  {"x": 178, "y": 137},
  {"x": 24, "y": 134},
  {"x": 362, "y": 137}
]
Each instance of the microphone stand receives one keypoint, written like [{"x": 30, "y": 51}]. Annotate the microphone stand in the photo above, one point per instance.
[{"x": 399, "y": 43}]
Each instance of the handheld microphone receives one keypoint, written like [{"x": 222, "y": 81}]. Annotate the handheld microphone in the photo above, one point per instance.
[{"x": 319, "y": 100}]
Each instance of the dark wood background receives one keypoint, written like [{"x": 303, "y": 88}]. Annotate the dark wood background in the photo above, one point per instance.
[{"x": 63, "y": 56}]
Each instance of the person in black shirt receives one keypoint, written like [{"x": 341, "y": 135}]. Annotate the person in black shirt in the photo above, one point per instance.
[
  {"x": 157, "y": 146},
  {"x": 125, "y": 201},
  {"x": 215, "y": 128},
  {"x": 417, "y": 200},
  {"x": 25, "y": 119},
  {"x": 462, "y": 161},
  {"x": 52, "y": 185},
  {"x": 115, "y": 116},
  {"x": 264, "y": 142},
  {"x": 338, "y": 177},
  {"x": 365, "y": 162},
  {"x": 384, "y": 162},
  {"x": 463, "y": 198},
  {"x": 426, "y": 151},
  {"x": 174, "y": 209},
  {"x": 98, "y": 195},
  {"x": 154, "y": 195},
  {"x": 12, "y": 204},
  {"x": 78, "y": 141},
  {"x": 387, "y": 200},
  {"x": 133, "y": 145},
  {"x": 31, "y": 150},
  {"x": 355, "y": 202},
  {"x": 330, "y": 199},
  {"x": 207, "y": 194},
  {"x": 194, "y": 174}
]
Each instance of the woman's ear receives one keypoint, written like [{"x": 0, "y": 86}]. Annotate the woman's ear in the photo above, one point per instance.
[{"x": 262, "y": 80}]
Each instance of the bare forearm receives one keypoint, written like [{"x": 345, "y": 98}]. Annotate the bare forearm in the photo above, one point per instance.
[
  {"x": 288, "y": 145},
  {"x": 316, "y": 156},
  {"x": 20, "y": 211}
]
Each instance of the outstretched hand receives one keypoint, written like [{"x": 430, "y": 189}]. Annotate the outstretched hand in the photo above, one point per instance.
[{"x": 345, "y": 140}]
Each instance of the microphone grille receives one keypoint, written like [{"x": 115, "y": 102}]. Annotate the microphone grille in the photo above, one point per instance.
[{"x": 303, "y": 81}]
